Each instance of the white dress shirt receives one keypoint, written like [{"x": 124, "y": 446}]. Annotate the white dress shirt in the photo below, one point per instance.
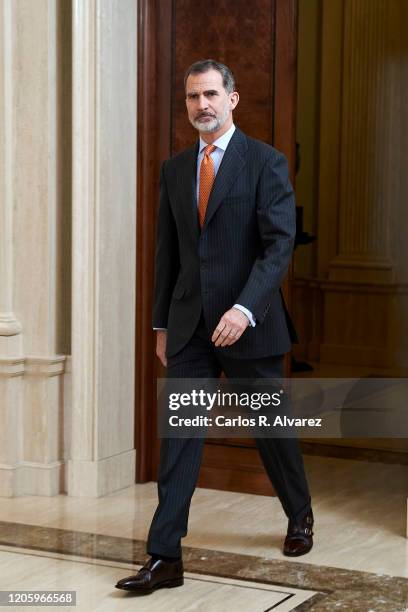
[{"x": 216, "y": 155}]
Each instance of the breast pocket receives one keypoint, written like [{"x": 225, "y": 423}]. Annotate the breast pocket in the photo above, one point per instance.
[
  {"x": 237, "y": 211},
  {"x": 236, "y": 198}
]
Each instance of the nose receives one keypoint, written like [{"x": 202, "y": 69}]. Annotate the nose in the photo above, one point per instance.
[{"x": 202, "y": 103}]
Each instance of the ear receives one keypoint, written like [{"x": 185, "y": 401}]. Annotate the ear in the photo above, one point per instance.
[{"x": 234, "y": 99}]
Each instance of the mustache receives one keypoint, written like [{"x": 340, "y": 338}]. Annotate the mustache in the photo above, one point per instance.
[{"x": 205, "y": 115}]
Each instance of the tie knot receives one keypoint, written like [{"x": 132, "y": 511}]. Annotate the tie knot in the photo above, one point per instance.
[{"x": 209, "y": 149}]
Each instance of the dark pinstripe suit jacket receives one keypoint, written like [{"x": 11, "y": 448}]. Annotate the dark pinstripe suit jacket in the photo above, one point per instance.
[{"x": 241, "y": 255}]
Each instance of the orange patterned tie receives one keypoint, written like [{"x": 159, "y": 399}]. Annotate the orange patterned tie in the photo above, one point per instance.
[{"x": 207, "y": 176}]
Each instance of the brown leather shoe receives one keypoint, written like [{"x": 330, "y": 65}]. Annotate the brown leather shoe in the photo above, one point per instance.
[
  {"x": 154, "y": 575},
  {"x": 299, "y": 538}
]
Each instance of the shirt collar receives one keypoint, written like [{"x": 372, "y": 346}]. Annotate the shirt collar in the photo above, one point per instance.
[{"x": 221, "y": 142}]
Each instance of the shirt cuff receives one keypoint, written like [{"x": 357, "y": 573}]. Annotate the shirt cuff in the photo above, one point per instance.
[
  {"x": 159, "y": 328},
  {"x": 247, "y": 312}
]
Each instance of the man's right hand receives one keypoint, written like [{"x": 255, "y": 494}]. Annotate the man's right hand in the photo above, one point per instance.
[{"x": 161, "y": 341}]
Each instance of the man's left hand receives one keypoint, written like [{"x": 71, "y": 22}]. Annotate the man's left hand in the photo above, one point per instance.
[{"x": 230, "y": 328}]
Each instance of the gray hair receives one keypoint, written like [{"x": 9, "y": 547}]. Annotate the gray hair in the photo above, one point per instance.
[{"x": 209, "y": 64}]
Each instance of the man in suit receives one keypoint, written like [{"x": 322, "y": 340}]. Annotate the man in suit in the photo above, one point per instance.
[{"x": 225, "y": 237}]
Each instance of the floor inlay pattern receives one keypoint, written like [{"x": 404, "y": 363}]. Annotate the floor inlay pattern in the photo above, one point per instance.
[{"x": 335, "y": 589}]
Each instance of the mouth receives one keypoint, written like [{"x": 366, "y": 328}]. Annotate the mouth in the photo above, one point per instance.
[{"x": 205, "y": 117}]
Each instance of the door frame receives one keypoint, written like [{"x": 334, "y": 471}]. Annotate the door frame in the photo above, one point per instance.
[{"x": 154, "y": 79}]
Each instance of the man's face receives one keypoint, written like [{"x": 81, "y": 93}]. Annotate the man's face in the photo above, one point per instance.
[{"x": 209, "y": 105}]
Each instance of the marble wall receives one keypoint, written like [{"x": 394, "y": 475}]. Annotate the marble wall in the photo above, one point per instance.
[{"x": 67, "y": 245}]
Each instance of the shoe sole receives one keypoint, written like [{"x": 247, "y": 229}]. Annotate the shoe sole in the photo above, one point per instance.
[
  {"x": 298, "y": 554},
  {"x": 168, "y": 584}
]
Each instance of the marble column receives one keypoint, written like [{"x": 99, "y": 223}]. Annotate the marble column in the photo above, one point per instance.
[
  {"x": 11, "y": 355},
  {"x": 31, "y": 452},
  {"x": 102, "y": 454}
]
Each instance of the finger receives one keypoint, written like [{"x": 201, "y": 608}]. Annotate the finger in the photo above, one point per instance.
[
  {"x": 218, "y": 330},
  {"x": 231, "y": 338},
  {"x": 162, "y": 357},
  {"x": 235, "y": 338},
  {"x": 223, "y": 335},
  {"x": 234, "y": 335}
]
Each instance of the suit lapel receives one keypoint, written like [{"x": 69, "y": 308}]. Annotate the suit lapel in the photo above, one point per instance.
[
  {"x": 233, "y": 161},
  {"x": 187, "y": 179}
]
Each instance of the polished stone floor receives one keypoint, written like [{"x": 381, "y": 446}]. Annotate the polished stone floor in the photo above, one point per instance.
[
  {"x": 359, "y": 560},
  {"x": 92, "y": 579}
]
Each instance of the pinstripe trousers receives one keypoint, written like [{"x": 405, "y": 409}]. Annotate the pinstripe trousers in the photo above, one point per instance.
[{"x": 180, "y": 458}]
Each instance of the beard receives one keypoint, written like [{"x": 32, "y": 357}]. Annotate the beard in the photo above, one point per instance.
[{"x": 214, "y": 124}]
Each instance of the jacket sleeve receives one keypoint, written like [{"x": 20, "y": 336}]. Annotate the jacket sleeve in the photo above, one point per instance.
[
  {"x": 167, "y": 260},
  {"x": 276, "y": 213}
]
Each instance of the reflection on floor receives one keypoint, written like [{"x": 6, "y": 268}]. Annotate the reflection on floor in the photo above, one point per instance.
[{"x": 360, "y": 514}]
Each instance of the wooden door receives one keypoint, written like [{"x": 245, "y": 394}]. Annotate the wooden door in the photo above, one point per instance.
[{"x": 258, "y": 41}]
